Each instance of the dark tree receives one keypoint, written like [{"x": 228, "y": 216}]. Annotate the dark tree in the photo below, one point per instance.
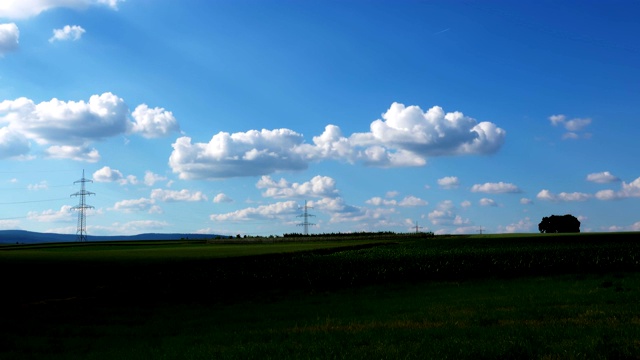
[{"x": 559, "y": 224}]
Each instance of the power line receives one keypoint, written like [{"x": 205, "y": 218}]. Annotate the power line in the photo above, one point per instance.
[{"x": 30, "y": 201}]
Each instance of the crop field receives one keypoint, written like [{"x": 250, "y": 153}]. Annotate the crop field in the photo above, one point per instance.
[{"x": 482, "y": 296}]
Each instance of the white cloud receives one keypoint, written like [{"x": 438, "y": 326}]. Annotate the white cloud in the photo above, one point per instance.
[
  {"x": 12, "y": 144},
  {"x": 71, "y": 126},
  {"x": 602, "y": 177},
  {"x": 222, "y": 198},
  {"x": 21, "y": 9},
  {"x": 574, "y": 127},
  {"x": 240, "y": 154},
  {"x": 496, "y": 188},
  {"x": 153, "y": 123},
  {"x": 318, "y": 186},
  {"x": 524, "y": 225},
  {"x": 378, "y": 201},
  {"x": 137, "y": 205},
  {"x": 488, "y": 202},
  {"x": 42, "y": 185},
  {"x": 391, "y": 194},
  {"x": 405, "y": 137},
  {"x": 411, "y": 201},
  {"x": 449, "y": 182},
  {"x": 445, "y": 214},
  {"x": 628, "y": 190},
  {"x": 633, "y": 227},
  {"x": 526, "y": 201},
  {"x": 77, "y": 153},
  {"x": 562, "y": 197},
  {"x": 465, "y": 204},
  {"x": 64, "y": 214},
  {"x": 9, "y": 38},
  {"x": 67, "y": 123},
  {"x": 68, "y": 32},
  {"x": 150, "y": 178},
  {"x": 341, "y": 212},
  {"x": 175, "y": 195},
  {"x": 271, "y": 211},
  {"x": 430, "y": 133},
  {"x": 137, "y": 227},
  {"x": 107, "y": 174},
  {"x": 9, "y": 224}
]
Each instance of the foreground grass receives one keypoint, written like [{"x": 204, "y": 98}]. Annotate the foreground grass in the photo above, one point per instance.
[
  {"x": 581, "y": 317},
  {"x": 460, "y": 297}
]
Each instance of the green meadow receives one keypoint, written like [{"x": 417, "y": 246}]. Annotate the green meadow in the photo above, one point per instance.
[{"x": 538, "y": 296}]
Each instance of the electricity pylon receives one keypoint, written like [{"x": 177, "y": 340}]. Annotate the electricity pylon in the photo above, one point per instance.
[
  {"x": 417, "y": 228},
  {"x": 305, "y": 215},
  {"x": 82, "y": 207}
]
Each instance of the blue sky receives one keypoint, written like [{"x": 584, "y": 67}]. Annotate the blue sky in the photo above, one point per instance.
[{"x": 225, "y": 116}]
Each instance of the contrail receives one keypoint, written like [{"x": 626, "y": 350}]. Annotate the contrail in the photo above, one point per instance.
[{"x": 441, "y": 31}]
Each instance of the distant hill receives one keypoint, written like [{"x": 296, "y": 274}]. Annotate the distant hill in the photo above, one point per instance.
[{"x": 30, "y": 237}]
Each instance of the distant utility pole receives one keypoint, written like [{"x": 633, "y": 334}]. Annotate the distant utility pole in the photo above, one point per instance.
[
  {"x": 82, "y": 207},
  {"x": 480, "y": 231},
  {"x": 418, "y": 228},
  {"x": 305, "y": 216}
]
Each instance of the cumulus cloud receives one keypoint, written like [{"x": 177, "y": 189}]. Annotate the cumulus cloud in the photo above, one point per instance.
[
  {"x": 107, "y": 174},
  {"x": 405, "y": 136},
  {"x": 240, "y": 154},
  {"x": 465, "y": 204},
  {"x": 488, "y": 202},
  {"x": 449, "y": 182},
  {"x": 9, "y": 224},
  {"x": 526, "y": 201},
  {"x": 411, "y": 201},
  {"x": 222, "y": 198},
  {"x": 137, "y": 226},
  {"x": 339, "y": 211},
  {"x": 562, "y": 197},
  {"x": 21, "y": 9},
  {"x": 42, "y": 185},
  {"x": 445, "y": 214},
  {"x": 628, "y": 190},
  {"x": 574, "y": 126},
  {"x": 64, "y": 214},
  {"x": 318, "y": 186},
  {"x": 496, "y": 188},
  {"x": 602, "y": 177},
  {"x": 175, "y": 195},
  {"x": 9, "y": 38},
  {"x": 271, "y": 211},
  {"x": 408, "y": 201},
  {"x": 13, "y": 144},
  {"x": 378, "y": 201},
  {"x": 68, "y": 32},
  {"x": 77, "y": 153},
  {"x": 68, "y": 123},
  {"x": 524, "y": 225},
  {"x": 69, "y": 127},
  {"x": 153, "y": 123},
  {"x": 150, "y": 178},
  {"x": 137, "y": 205}
]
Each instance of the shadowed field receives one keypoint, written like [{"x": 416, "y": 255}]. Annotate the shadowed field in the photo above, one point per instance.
[{"x": 456, "y": 297}]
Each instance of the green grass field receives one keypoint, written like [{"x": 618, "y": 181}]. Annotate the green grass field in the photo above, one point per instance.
[{"x": 449, "y": 297}]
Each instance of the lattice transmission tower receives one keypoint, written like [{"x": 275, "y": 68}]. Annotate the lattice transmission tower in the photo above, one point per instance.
[
  {"x": 305, "y": 216},
  {"x": 82, "y": 208}
]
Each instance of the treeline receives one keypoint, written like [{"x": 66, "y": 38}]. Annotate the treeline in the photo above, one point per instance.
[{"x": 359, "y": 234}]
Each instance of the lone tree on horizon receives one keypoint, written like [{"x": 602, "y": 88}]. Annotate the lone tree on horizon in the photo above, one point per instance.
[{"x": 559, "y": 224}]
